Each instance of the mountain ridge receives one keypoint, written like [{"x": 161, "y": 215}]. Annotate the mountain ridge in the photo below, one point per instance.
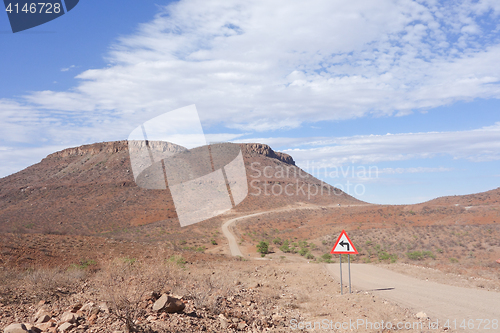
[{"x": 91, "y": 189}]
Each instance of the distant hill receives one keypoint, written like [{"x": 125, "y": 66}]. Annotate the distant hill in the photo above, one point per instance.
[
  {"x": 476, "y": 199},
  {"x": 90, "y": 190}
]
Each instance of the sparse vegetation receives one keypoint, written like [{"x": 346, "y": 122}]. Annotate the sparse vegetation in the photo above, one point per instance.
[
  {"x": 178, "y": 260},
  {"x": 83, "y": 264},
  {"x": 263, "y": 248},
  {"x": 285, "y": 247},
  {"x": 420, "y": 255}
]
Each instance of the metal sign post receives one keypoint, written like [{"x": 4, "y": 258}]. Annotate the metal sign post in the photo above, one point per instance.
[
  {"x": 344, "y": 246},
  {"x": 349, "y": 265},
  {"x": 341, "y": 285}
]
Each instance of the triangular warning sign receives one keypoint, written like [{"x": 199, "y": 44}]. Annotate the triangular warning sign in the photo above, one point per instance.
[{"x": 343, "y": 245}]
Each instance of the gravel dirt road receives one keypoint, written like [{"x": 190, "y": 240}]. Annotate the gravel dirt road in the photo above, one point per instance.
[
  {"x": 438, "y": 301},
  {"x": 226, "y": 226},
  {"x": 233, "y": 245}
]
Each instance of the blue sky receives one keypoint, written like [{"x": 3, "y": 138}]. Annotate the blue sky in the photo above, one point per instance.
[{"x": 408, "y": 88}]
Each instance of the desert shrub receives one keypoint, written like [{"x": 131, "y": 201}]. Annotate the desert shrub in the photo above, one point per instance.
[
  {"x": 214, "y": 242},
  {"x": 46, "y": 283},
  {"x": 277, "y": 241},
  {"x": 178, "y": 260},
  {"x": 125, "y": 285},
  {"x": 453, "y": 260},
  {"x": 303, "y": 244},
  {"x": 303, "y": 251},
  {"x": 209, "y": 291},
  {"x": 415, "y": 255},
  {"x": 327, "y": 257},
  {"x": 128, "y": 260},
  {"x": 194, "y": 248},
  {"x": 263, "y": 248},
  {"x": 284, "y": 247},
  {"x": 309, "y": 256},
  {"x": 420, "y": 255},
  {"x": 383, "y": 255},
  {"x": 83, "y": 264},
  {"x": 429, "y": 254}
]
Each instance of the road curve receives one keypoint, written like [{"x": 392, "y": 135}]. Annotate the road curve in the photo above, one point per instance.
[
  {"x": 437, "y": 300},
  {"x": 233, "y": 245},
  {"x": 226, "y": 226}
]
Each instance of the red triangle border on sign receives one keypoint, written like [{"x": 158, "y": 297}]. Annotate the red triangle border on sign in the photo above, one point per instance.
[{"x": 350, "y": 242}]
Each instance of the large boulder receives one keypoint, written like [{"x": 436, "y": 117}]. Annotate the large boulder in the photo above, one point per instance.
[
  {"x": 68, "y": 317},
  {"x": 66, "y": 327},
  {"x": 42, "y": 315},
  {"x": 168, "y": 304},
  {"x": 16, "y": 328}
]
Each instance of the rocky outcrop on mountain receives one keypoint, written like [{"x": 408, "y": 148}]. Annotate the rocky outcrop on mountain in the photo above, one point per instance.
[
  {"x": 114, "y": 147},
  {"x": 92, "y": 149},
  {"x": 123, "y": 145},
  {"x": 265, "y": 150}
]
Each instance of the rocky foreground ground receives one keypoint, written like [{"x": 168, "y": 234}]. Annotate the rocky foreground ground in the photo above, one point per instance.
[
  {"x": 239, "y": 312},
  {"x": 172, "y": 295},
  {"x": 168, "y": 293}
]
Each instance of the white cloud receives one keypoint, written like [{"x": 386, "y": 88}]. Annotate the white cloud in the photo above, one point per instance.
[
  {"x": 14, "y": 159},
  {"x": 474, "y": 145},
  {"x": 67, "y": 68},
  {"x": 413, "y": 170},
  {"x": 267, "y": 65},
  {"x": 222, "y": 137},
  {"x": 259, "y": 66}
]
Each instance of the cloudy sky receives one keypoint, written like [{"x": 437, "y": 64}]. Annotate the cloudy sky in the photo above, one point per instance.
[{"x": 407, "y": 89}]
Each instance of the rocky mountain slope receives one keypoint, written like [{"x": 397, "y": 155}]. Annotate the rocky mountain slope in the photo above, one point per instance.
[{"x": 91, "y": 190}]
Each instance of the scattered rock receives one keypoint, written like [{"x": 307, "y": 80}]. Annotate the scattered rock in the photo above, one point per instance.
[
  {"x": 92, "y": 318},
  {"x": 68, "y": 317},
  {"x": 16, "y": 328},
  {"x": 44, "y": 326},
  {"x": 76, "y": 307},
  {"x": 168, "y": 304},
  {"x": 32, "y": 329},
  {"x": 65, "y": 327},
  {"x": 104, "y": 307},
  {"x": 42, "y": 319},
  {"x": 43, "y": 311},
  {"x": 421, "y": 315},
  {"x": 87, "y": 307},
  {"x": 223, "y": 321}
]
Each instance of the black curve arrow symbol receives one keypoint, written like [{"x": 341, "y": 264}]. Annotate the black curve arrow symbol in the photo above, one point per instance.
[{"x": 344, "y": 244}]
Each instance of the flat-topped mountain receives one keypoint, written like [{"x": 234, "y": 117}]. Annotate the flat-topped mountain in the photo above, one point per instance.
[{"x": 91, "y": 189}]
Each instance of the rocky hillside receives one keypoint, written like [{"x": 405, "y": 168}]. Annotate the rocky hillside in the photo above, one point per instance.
[
  {"x": 91, "y": 190},
  {"x": 477, "y": 199}
]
